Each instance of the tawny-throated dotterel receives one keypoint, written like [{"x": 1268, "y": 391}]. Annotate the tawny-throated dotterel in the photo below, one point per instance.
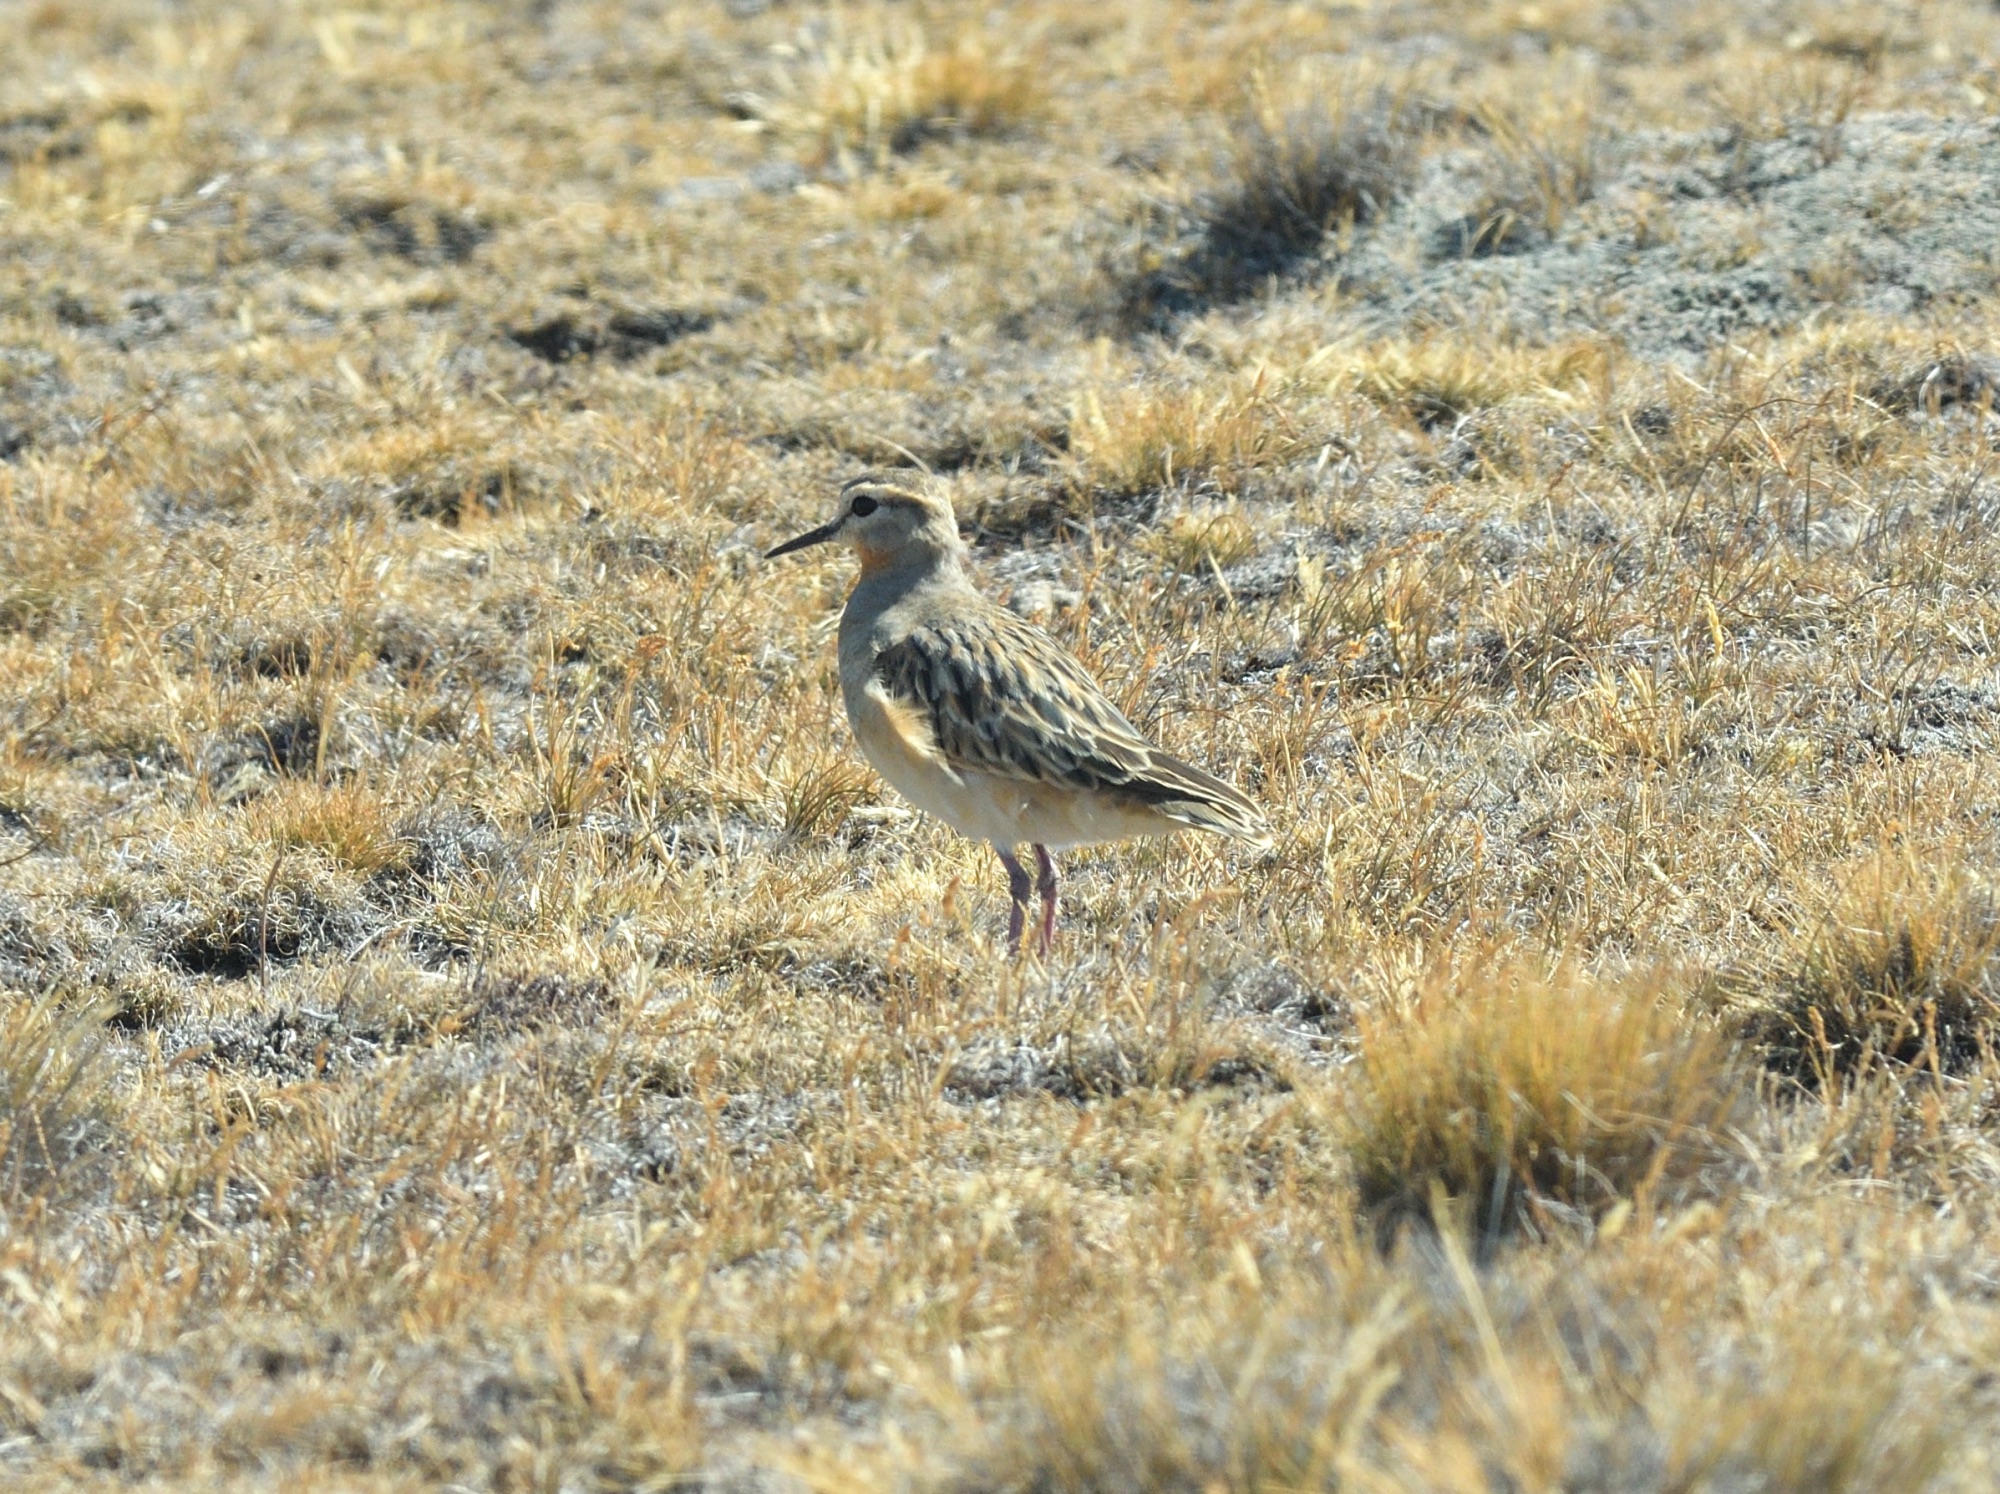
[{"x": 980, "y": 717}]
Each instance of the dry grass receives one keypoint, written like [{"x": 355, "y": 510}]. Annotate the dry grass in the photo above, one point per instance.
[
  {"x": 1540, "y": 159},
  {"x": 862, "y": 88},
  {"x": 52, "y": 1100},
  {"x": 1309, "y": 159},
  {"x": 349, "y": 823},
  {"x": 1436, "y": 1373},
  {"x": 1204, "y": 541},
  {"x": 467, "y": 1016},
  {"x": 1311, "y": 154},
  {"x": 1131, "y": 441},
  {"x": 1903, "y": 967},
  {"x": 1438, "y": 382},
  {"x": 1515, "y": 1094}
]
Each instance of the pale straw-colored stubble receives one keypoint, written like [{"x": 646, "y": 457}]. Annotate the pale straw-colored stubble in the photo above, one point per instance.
[{"x": 535, "y": 1050}]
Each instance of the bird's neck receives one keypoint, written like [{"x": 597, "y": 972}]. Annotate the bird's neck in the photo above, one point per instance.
[
  {"x": 886, "y": 588},
  {"x": 910, "y": 565}
]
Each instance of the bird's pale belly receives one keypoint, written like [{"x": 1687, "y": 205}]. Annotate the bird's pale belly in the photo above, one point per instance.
[{"x": 1002, "y": 811}]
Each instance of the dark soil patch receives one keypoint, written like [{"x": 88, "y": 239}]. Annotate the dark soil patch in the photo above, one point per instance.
[
  {"x": 557, "y": 340},
  {"x": 1280, "y": 992},
  {"x": 282, "y": 745},
  {"x": 422, "y": 232},
  {"x": 634, "y": 331},
  {"x": 242, "y": 935},
  {"x": 446, "y": 497},
  {"x": 624, "y": 335}
]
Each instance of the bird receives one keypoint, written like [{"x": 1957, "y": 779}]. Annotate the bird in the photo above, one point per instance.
[{"x": 977, "y": 716}]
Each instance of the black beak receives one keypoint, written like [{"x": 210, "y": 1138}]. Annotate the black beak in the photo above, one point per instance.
[{"x": 817, "y": 536}]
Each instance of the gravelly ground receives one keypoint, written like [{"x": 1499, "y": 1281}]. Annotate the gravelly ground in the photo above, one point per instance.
[{"x": 466, "y": 1017}]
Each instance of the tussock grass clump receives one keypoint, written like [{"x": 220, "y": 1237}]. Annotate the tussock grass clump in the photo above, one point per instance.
[
  {"x": 1538, "y": 166},
  {"x": 877, "y": 91},
  {"x": 1302, "y": 168},
  {"x": 1199, "y": 542},
  {"x": 1307, "y": 160},
  {"x": 52, "y": 1082},
  {"x": 1437, "y": 381},
  {"x": 1513, "y": 1091},
  {"x": 1904, "y": 968},
  {"x": 348, "y": 822},
  {"x": 817, "y": 800},
  {"x": 1134, "y": 440},
  {"x": 1809, "y": 96}
]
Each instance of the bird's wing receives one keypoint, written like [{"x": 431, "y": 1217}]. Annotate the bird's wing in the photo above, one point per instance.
[{"x": 1000, "y": 696}]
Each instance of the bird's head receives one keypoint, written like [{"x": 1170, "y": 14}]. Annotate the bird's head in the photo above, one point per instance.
[{"x": 892, "y": 519}]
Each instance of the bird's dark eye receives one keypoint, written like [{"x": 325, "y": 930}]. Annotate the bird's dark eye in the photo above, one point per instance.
[{"x": 864, "y": 506}]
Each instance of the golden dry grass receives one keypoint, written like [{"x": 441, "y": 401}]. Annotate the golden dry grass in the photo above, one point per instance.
[
  {"x": 1903, "y": 965},
  {"x": 1135, "y": 441},
  {"x": 1513, "y": 1093},
  {"x": 468, "y": 1019},
  {"x": 864, "y": 85},
  {"x": 1438, "y": 382}
]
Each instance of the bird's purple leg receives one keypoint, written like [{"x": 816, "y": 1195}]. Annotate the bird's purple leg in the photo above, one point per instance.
[
  {"x": 1018, "y": 884},
  {"x": 1046, "y": 885}
]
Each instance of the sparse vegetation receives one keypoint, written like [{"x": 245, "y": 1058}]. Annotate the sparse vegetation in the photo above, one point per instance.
[
  {"x": 1902, "y": 967},
  {"x": 1527, "y": 1099},
  {"x": 859, "y": 90},
  {"x": 1132, "y": 441},
  {"x": 468, "y": 1017},
  {"x": 1311, "y": 155},
  {"x": 1439, "y": 382},
  {"x": 53, "y": 1104}
]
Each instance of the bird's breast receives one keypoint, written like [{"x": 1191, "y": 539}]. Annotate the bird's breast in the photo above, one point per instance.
[{"x": 895, "y": 736}]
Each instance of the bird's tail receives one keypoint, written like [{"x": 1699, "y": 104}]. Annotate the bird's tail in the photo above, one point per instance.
[{"x": 1182, "y": 792}]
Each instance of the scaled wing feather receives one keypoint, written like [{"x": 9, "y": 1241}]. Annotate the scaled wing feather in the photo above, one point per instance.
[{"x": 1002, "y": 698}]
